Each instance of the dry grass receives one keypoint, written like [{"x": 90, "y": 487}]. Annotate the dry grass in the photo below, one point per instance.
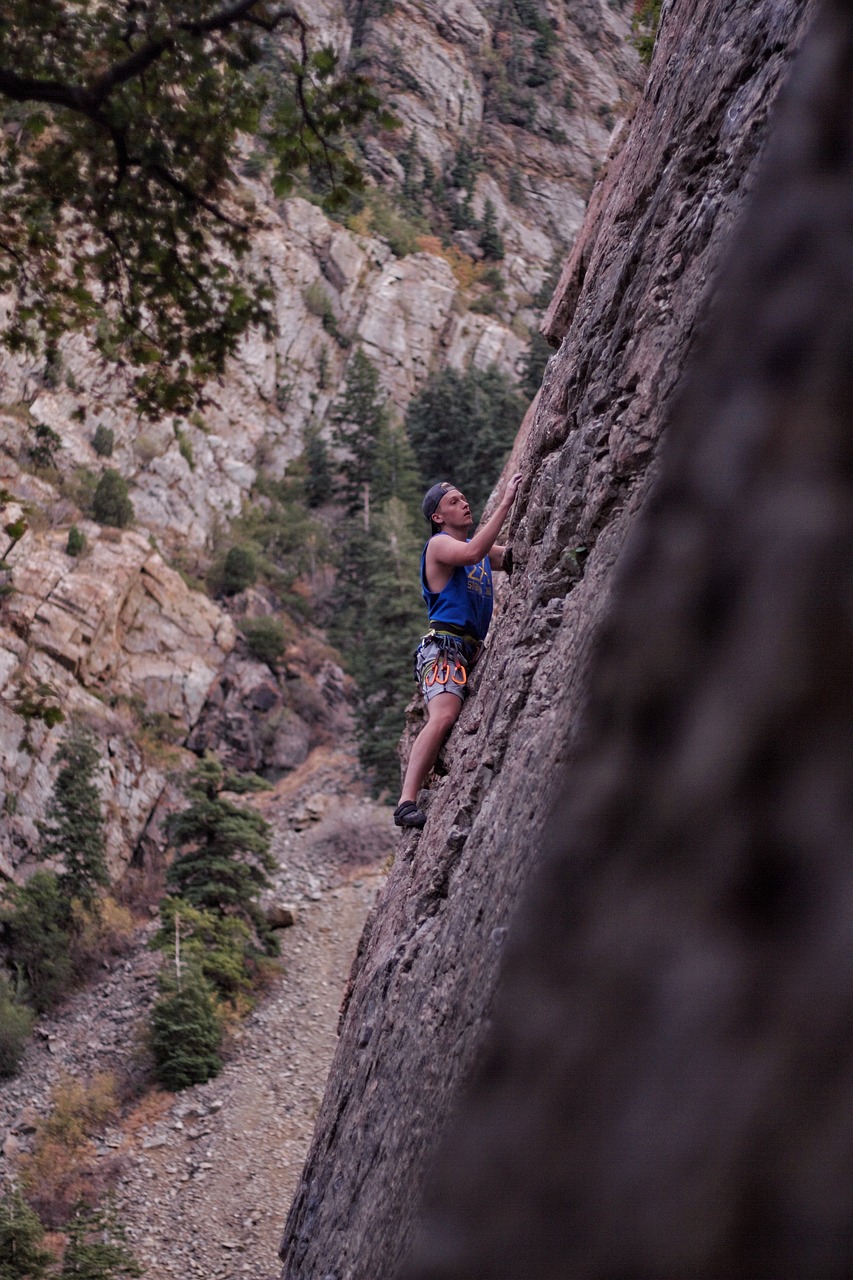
[
  {"x": 64, "y": 1167},
  {"x": 150, "y": 1109},
  {"x": 109, "y": 933}
]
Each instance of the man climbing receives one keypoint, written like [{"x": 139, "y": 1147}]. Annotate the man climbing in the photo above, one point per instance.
[{"x": 456, "y": 579}]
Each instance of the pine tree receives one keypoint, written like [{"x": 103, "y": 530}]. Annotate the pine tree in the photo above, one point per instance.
[
  {"x": 220, "y": 948},
  {"x": 490, "y": 240},
  {"x": 318, "y": 478},
  {"x": 226, "y": 856},
  {"x": 73, "y": 830},
  {"x": 346, "y": 624},
  {"x": 386, "y": 625},
  {"x": 21, "y": 1234},
  {"x": 462, "y": 427},
  {"x": 395, "y": 469},
  {"x": 97, "y": 1248},
  {"x": 358, "y": 416},
  {"x": 186, "y": 1032}
]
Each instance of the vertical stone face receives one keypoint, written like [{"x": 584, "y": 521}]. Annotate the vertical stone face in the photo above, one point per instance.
[
  {"x": 667, "y": 1089},
  {"x": 635, "y": 296}
]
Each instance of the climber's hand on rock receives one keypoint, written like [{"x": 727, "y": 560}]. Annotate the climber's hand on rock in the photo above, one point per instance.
[{"x": 512, "y": 488}]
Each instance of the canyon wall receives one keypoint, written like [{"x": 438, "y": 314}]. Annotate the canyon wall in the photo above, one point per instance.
[
  {"x": 121, "y": 636},
  {"x": 666, "y": 1090},
  {"x": 632, "y": 303}
]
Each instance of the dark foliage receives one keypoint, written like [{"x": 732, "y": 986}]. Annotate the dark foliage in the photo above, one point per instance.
[
  {"x": 119, "y": 133},
  {"x": 462, "y": 427}
]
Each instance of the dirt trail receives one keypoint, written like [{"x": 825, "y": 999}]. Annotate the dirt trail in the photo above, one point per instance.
[{"x": 210, "y": 1183}]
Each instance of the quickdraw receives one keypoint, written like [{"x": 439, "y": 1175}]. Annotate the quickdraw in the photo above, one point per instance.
[{"x": 440, "y": 673}]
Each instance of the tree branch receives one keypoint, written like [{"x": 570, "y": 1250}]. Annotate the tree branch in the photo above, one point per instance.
[
  {"x": 168, "y": 179},
  {"x": 52, "y": 92},
  {"x": 87, "y": 100}
]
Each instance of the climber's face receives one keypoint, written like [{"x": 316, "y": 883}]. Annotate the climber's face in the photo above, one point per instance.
[{"x": 453, "y": 511}]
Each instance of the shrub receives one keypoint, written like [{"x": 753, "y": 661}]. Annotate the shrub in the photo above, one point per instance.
[
  {"x": 97, "y": 935},
  {"x": 487, "y": 305},
  {"x": 16, "y": 1022},
  {"x": 185, "y": 1034},
  {"x": 38, "y": 922},
  {"x": 21, "y": 1234},
  {"x": 103, "y": 441},
  {"x": 46, "y": 444},
  {"x": 264, "y": 639},
  {"x": 64, "y": 1167},
  {"x": 185, "y": 449},
  {"x": 319, "y": 304},
  {"x": 96, "y": 1248},
  {"x": 239, "y": 570},
  {"x": 644, "y": 27},
  {"x": 76, "y": 544},
  {"x": 111, "y": 504}
]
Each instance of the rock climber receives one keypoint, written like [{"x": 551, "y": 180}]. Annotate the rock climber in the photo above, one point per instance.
[{"x": 456, "y": 580}]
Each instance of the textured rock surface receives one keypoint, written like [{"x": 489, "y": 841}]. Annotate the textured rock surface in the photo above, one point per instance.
[
  {"x": 667, "y": 1091},
  {"x": 110, "y": 630},
  {"x": 425, "y": 978}
]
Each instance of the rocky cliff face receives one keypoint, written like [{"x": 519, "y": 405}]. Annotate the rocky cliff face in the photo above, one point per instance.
[
  {"x": 667, "y": 1086},
  {"x": 631, "y": 304},
  {"x": 118, "y": 636}
]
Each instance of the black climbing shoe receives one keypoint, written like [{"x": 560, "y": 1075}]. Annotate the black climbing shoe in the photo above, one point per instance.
[{"x": 408, "y": 814}]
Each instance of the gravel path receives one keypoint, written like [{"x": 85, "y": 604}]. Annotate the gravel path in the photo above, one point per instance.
[{"x": 210, "y": 1184}]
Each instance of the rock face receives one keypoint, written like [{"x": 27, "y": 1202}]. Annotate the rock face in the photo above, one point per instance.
[
  {"x": 667, "y": 1089},
  {"x": 632, "y": 302},
  {"x": 99, "y": 637},
  {"x": 537, "y": 88}
]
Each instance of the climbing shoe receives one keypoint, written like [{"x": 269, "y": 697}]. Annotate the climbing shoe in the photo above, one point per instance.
[{"x": 408, "y": 814}]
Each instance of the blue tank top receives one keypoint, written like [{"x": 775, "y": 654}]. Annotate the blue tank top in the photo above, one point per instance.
[{"x": 466, "y": 601}]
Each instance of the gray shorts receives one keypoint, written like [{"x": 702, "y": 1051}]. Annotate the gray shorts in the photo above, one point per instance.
[{"x": 443, "y": 669}]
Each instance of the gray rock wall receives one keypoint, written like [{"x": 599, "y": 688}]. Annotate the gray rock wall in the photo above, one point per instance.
[
  {"x": 635, "y": 297},
  {"x": 667, "y": 1090}
]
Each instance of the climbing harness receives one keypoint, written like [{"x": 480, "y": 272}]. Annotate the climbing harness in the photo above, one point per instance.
[{"x": 456, "y": 652}]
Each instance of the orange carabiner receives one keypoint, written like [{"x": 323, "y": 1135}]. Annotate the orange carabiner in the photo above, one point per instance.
[
  {"x": 438, "y": 672},
  {"x": 459, "y": 667}
]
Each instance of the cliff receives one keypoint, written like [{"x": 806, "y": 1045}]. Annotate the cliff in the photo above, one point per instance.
[
  {"x": 666, "y": 1090},
  {"x": 631, "y": 307}
]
